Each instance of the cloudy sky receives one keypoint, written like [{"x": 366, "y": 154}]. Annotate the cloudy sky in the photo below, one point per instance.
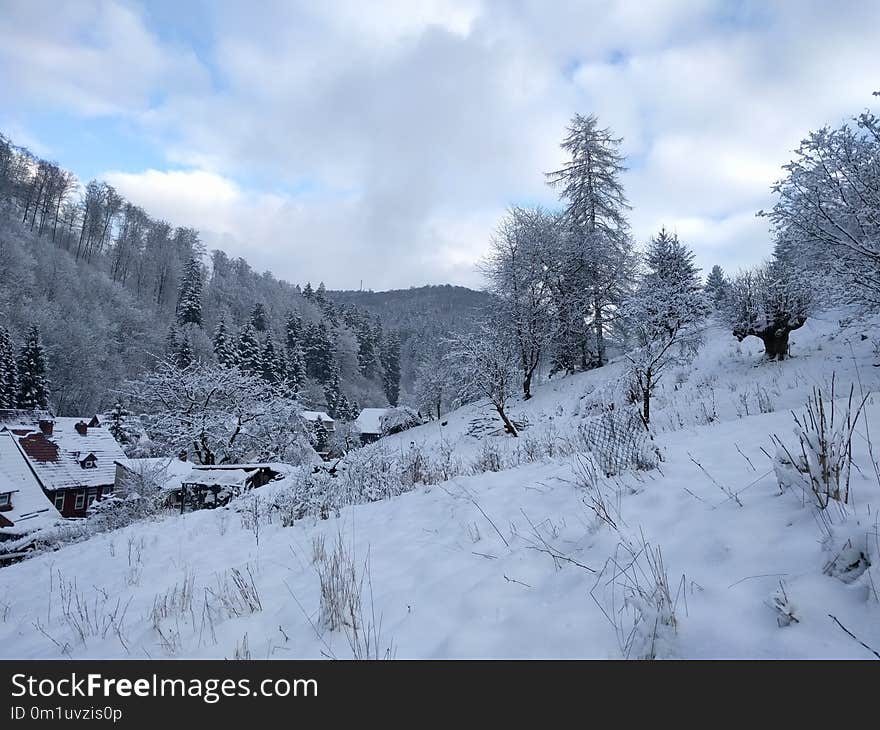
[{"x": 380, "y": 142}]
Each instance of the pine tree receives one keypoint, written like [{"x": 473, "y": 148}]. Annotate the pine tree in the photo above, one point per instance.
[
  {"x": 320, "y": 437},
  {"x": 223, "y": 349},
  {"x": 391, "y": 367},
  {"x": 338, "y": 406},
  {"x": 717, "y": 286},
  {"x": 318, "y": 353},
  {"x": 189, "y": 294},
  {"x": 272, "y": 368},
  {"x": 259, "y": 318},
  {"x": 33, "y": 386},
  {"x": 249, "y": 355},
  {"x": 118, "y": 426},
  {"x": 183, "y": 355},
  {"x": 368, "y": 360},
  {"x": 293, "y": 352},
  {"x": 592, "y": 274},
  {"x": 8, "y": 371},
  {"x": 307, "y": 292}
]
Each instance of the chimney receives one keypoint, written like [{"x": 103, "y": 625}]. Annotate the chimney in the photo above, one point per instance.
[
  {"x": 46, "y": 426},
  {"x": 81, "y": 428}
]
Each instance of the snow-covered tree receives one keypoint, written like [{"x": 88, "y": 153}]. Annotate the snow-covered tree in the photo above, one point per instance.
[
  {"x": 219, "y": 415},
  {"x": 339, "y": 407},
  {"x": 8, "y": 371},
  {"x": 517, "y": 272},
  {"x": 769, "y": 302},
  {"x": 592, "y": 271},
  {"x": 272, "y": 367},
  {"x": 391, "y": 367},
  {"x": 664, "y": 316},
  {"x": 259, "y": 318},
  {"x": 119, "y": 426},
  {"x": 717, "y": 286},
  {"x": 249, "y": 354},
  {"x": 33, "y": 383},
  {"x": 399, "y": 419},
  {"x": 318, "y": 352},
  {"x": 487, "y": 363},
  {"x": 189, "y": 294},
  {"x": 223, "y": 347},
  {"x": 827, "y": 216},
  {"x": 436, "y": 385}
]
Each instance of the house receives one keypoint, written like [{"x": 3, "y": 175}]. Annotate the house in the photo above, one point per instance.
[
  {"x": 24, "y": 506},
  {"x": 369, "y": 423},
  {"x": 209, "y": 486},
  {"x": 72, "y": 458}
]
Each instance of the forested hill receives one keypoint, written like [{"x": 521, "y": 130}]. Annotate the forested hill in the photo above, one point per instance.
[
  {"x": 423, "y": 316},
  {"x": 110, "y": 289}
]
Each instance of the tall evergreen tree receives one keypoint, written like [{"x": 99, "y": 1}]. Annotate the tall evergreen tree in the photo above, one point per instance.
[
  {"x": 259, "y": 318},
  {"x": 189, "y": 294},
  {"x": 391, "y": 367},
  {"x": 338, "y": 406},
  {"x": 8, "y": 371},
  {"x": 224, "y": 350},
  {"x": 717, "y": 286},
  {"x": 183, "y": 355},
  {"x": 33, "y": 385},
  {"x": 293, "y": 352},
  {"x": 318, "y": 353},
  {"x": 595, "y": 267},
  {"x": 272, "y": 368},
  {"x": 249, "y": 355}
]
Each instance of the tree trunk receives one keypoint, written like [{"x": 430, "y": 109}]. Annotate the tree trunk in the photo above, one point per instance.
[
  {"x": 646, "y": 399},
  {"x": 508, "y": 424},
  {"x": 776, "y": 343}
]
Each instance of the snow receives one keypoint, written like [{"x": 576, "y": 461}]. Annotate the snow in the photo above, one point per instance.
[
  {"x": 322, "y": 416},
  {"x": 369, "y": 421},
  {"x": 500, "y": 564},
  {"x": 31, "y": 509},
  {"x": 168, "y": 473}
]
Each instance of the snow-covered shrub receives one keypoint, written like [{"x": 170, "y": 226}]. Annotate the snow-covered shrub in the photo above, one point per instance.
[
  {"x": 399, "y": 419},
  {"x": 489, "y": 458},
  {"x": 820, "y": 462},
  {"x": 633, "y": 592}
]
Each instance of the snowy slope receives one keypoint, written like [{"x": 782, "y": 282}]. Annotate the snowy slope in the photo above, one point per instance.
[{"x": 515, "y": 563}]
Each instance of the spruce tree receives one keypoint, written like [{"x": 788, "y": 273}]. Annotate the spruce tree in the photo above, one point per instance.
[
  {"x": 272, "y": 365},
  {"x": 249, "y": 355},
  {"x": 307, "y": 292},
  {"x": 33, "y": 385},
  {"x": 8, "y": 371},
  {"x": 259, "y": 318},
  {"x": 293, "y": 352},
  {"x": 183, "y": 355},
  {"x": 717, "y": 286},
  {"x": 189, "y": 294},
  {"x": 338, "y": 405},
  {"x": 118, "y": 426},
  {"x": 391, "y": 367},
  {"x": 223, "y": 348},
  {"x": 318, "y": 353}
]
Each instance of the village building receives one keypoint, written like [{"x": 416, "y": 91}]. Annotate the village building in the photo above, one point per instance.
[
  {"x": 369, "y": 424},
  {"x": 73, "y": 459},
  {"x": 24, "y": 506}
]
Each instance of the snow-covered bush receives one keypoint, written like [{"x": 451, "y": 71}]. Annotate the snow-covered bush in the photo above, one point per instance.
[
  {"x": 821, "y": 461},
  {"x": 399, "y": 419}
]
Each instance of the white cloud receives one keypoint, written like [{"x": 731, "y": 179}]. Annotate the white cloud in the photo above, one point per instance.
[{"x": 412, "y": 124}]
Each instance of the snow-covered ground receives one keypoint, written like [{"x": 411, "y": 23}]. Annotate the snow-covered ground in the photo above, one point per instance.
[{"x": 516, "y": 563}]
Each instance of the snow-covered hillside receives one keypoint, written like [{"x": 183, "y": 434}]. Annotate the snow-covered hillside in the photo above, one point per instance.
[{"x": 702, "y": 556}]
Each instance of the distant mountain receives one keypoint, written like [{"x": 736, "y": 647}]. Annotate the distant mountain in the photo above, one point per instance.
[{"x": 422, "y": 316}]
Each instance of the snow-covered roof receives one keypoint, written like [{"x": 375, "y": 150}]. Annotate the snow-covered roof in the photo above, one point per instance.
[
  {"x": 31, "y": 509},
  {"x": 316, "y": 415},
  {"x": 217, "y": 477},
  {"x": 370, "y": 420},
  {"x": 57, "y": 457}
]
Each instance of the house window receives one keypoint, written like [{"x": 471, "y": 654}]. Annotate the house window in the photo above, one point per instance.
[
  {"x": 59, "y": 501},
  {"x": 93, "y": 495},
  {"x": 89, "y": 463},
  {"x": 5, "y": 500},
  {"x": 80, "y": 501}
]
